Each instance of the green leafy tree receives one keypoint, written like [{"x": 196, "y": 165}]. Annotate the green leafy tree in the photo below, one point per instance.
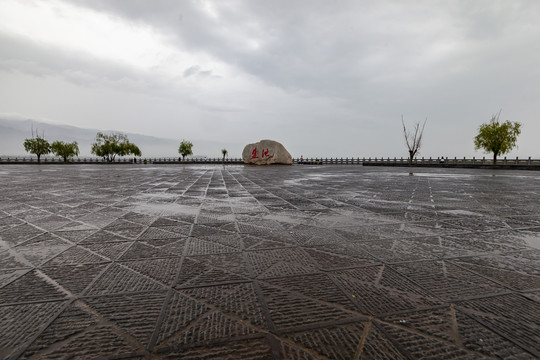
[
  {"x": 111, "y": 145},
  {"x": 413, "y": 140},
  {"x": 37, "y": 145},
  {"x": 224, "y": 152},
  {"x": 65, "y": 150},
  {"x": 497, "y": 138},
  {"x": 185, "y": 149}
]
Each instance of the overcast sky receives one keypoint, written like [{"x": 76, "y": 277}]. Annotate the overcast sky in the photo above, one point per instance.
[{"x": 325, "y": 78}]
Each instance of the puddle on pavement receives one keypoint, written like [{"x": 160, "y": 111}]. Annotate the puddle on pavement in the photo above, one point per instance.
[
  {"x": 164, "y": 209},
  {"x": 455, "y": 176},
  {"x": 460, "y": 212},
  {"x": 531, "y": 239},
  {"x": 163, "y": 195}
]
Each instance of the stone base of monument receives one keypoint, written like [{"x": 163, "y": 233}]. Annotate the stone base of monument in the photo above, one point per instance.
[{"x": 266, "y": 152}]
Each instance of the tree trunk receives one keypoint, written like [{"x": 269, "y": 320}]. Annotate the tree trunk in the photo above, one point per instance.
[
  {"x": 494, "y": 158},
  {"x": 38, "y": 158},
  {"x": 411, "y": 156}
]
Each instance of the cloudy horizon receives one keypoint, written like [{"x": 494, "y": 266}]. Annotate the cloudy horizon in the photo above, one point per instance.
[{"x": 324, "y": 78}]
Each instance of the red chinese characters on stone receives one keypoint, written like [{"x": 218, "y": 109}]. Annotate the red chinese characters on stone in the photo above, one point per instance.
[
  {"x": 264, "y": 153},
  {"x": 254, "y": 154}
]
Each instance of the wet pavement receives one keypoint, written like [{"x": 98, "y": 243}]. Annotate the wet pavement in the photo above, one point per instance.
[{"x": 301, "y": 262}]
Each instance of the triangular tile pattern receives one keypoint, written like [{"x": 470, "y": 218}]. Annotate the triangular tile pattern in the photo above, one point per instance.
[
  {"x": 229, "y": 240},
  {"x": 378, "y": 346},
  {"x": 162, "y": 270},
  {"x": 211, "y": 327},
  {"x": 292, "y": 261},
  {"x": 329, "y": 261},
  {"x": 316, "y": 286},
  {"x": 513, "y": 279},
  {"x": 51, "y": 222},
  {"x": 288, "y": 310},
  {"x": 7, "y": 222},
  {"x": 333, "y": 342},
  {"x": 203, "y": 247},
  {"x": 103, "y": 237},
  {"x": 395, "y": 280},
  {"x": 42, "y": 248},
  {"x": 524, "y": 334},
  {"x": 377, "y": 300},
  {"x": 9, "y": 275},
  {"x": 71, "y": 323},
  {"x": 291, "y": 352},
  {"x": 19, "y": 234},
  {"x": 32, "y": 286},
  {"x": 74, "y": 256},
  {"x": 136, "y": 314},
  {"x": 110, "y": 251},
  {"x": 22, "y": 322},
  {"x": 258, "y": 348},
  {"x": 157, "y": 233},
  {"x": 140, "y": 251},
  {"x": 126, "y": 229},
  {"x": 433, "y": 322},
  {"x": 176, "y": 246},
  {"x": 179, "y": 312},
  {"x": 74, "y": 235},
  {"x": 510, "y": 306},
  {"x": 238, "y": 299},
  {"x": 191, "y": 269},
  {"x": 97, "y": 341},
  {"x": 476, "y": 337},
  {"x": 200, "y": 261},
  {"x": 139, "y": 218},
  {"x": 446, "y": 280},
  {"x": 74, "y": 278},
  {"x": 119, "y": 279},
  {"x": 10, "y": 259},
  {"x": 196, "y": 273},
  {"x": 252, "y": 243},
  {"x": 266, "y": 233},
  {"x": 231, "y": 262}
]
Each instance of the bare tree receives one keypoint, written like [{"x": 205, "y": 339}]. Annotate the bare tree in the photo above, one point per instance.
[{"x": 413, "y": 140}]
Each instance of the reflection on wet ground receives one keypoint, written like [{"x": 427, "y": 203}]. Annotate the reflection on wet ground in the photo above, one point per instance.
[{"x": 299, "y": 262}]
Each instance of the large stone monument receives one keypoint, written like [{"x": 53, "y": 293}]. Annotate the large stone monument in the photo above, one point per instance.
[{"x": 266, "y": 152}]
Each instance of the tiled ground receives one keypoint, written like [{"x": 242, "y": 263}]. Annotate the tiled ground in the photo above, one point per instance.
[{"x": 338, "y": 262}]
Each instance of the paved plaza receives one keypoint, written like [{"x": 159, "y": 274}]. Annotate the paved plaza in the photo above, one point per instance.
[{"x": 299, "y": 262}]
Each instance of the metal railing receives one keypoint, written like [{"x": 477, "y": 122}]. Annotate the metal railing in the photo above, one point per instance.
[
  {"x": 454, "y": 161},
  {"x": 376, "y": 161},
  {"x": 122, "y": 160}
]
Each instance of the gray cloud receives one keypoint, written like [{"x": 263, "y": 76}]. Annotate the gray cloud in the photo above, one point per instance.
[{"x": 330, "y": 77}]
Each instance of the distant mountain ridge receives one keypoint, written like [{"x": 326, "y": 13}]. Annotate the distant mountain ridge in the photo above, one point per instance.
[{"x": 14, "y": 132}]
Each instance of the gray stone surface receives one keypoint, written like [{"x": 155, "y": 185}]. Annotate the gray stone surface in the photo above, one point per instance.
[
  {"x": 297, "y": 262},
  {"x": 266, "y": 152}
]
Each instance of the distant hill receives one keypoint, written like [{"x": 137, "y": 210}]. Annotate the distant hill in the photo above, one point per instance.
[{"x": 13, "y": 133}]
